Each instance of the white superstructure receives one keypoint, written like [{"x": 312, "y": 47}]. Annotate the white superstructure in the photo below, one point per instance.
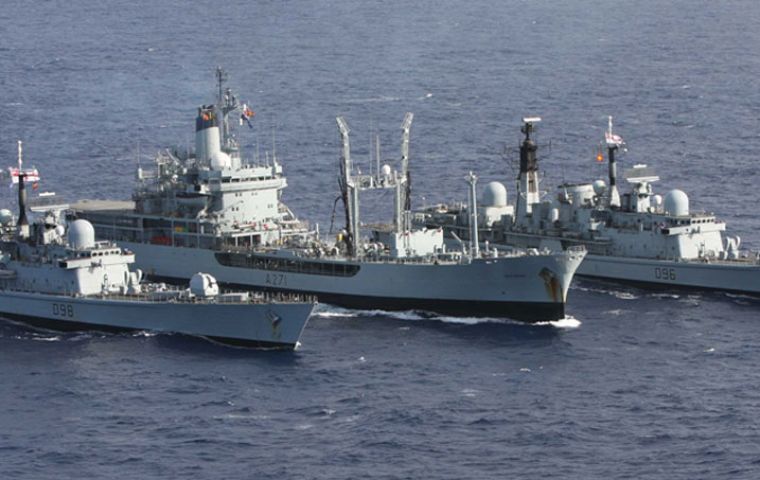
[
  {"x": 58, "y": 276},
  {"x": 211, "y": 210},
  {"x": 638, "y": 236}
]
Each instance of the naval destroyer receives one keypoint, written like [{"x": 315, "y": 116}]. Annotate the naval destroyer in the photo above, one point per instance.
[
  {"x": 210, "y": 210},
  {"x": 56, "y": 276},
  {"x": 637, "y": 237}
]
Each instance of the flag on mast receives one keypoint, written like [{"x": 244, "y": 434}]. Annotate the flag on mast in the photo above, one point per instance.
[
  {"x": 247, "y": 115},
  {"x": 612, "y": 139},
  {"x": 31, "y": 175}
]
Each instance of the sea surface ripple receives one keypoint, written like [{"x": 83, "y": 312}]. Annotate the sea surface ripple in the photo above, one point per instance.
[{"x": 632, "y": 384}]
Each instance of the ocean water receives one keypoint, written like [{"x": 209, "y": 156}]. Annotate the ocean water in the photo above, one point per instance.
[{"x": 633, "y": 384}]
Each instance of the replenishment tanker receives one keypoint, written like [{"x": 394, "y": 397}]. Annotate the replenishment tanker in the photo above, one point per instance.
[
  {"x": 637, "y": 237},
  {"x": 210, "y": 210},
  {"x": 58, "y": 277}
]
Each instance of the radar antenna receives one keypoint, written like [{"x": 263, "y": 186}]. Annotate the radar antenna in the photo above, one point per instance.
[
  {"x": 528, "y": 125},
  {"x": 226, "y": 102},
  {"x": 528, "y": 128}
]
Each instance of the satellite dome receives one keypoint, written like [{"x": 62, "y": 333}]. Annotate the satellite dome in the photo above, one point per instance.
[
  {"x": 220, "y": 160},
  {"x": 81, "y": 235},
  {"x": 657, "y": 200},
  {"x": 6, "y": 217},
  {"x": 494, "y": 195},
  {"x": 386, "y": 170},
  {"x": 203, "y": 285},
  {"x": 599, "y": 187},
  {"x": 676, "y": 203}
]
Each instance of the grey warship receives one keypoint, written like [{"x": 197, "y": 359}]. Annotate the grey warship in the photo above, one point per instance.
[
  {"x": 54, "y": 275},
  {"x": 637, "y": 237},
  {"x": 211, "y": 210}
]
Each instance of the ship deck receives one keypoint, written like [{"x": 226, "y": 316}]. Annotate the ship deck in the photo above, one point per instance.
[
  {"x": 259, "y": 297},
  {"x": 92, "y": 205}
]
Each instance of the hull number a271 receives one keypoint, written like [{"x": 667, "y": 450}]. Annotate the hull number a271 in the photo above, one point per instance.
[{"x": 276, "y": 279}]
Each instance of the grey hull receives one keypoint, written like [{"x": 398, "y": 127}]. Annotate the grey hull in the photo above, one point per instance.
[
  {"x": 276, "y": 325},
  {"x": 527, "y": 288},
  {"x": 724, "y": 276}
]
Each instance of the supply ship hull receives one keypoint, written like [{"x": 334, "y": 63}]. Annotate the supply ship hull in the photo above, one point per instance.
[
  {"x": 527, "y": 288},
  {"x": 213, "y": 211},
  {"x": 252, "y": 325}
]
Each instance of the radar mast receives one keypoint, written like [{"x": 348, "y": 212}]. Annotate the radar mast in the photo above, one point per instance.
[
  {"x": 527, "y": 180},
  {"x": 613, "y": 143}
]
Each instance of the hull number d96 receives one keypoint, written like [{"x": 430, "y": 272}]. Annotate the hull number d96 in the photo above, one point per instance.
[{"x": 664, "y": 273}]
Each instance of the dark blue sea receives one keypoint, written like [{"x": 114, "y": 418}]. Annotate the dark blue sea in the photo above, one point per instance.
[{"x": 633, "y": 384}]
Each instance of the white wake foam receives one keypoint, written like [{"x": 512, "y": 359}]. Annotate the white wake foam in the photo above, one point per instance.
[
  {"x": 565, "y": 323},
  {"x": 144, "y": 333},
  {"x": 336, "y": 314},
  {"x": 46, "y": 339},
  {"x": 411, "y": 315},
  {"x": 621, "y": 294}
]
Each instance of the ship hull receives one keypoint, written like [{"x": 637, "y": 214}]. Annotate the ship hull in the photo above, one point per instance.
[
  {"x": 732, "y": 277},
  {"x": 276, "y": 325},
  {"x": 514, "y": 287},
  {"x": 522, "y": 311},
  {"x": 738, "y": 276}
]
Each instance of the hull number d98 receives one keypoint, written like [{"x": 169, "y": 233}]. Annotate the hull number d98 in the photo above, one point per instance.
[
  {"x": 63, "y": 310},
  {"x": 664, "y": 273}
]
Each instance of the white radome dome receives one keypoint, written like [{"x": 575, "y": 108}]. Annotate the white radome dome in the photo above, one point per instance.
[
  {"x": 220, "y": 161},
  {"x": 6, "y": 216},
  {"x": 676, "y": 203},
  {"x": 203, "y": 285},
  {"x": 599, "y": 187},
  {"x": 81, "y": 235},
  {"x": 494, "y": 195},
  {"x": 657, "y": 200},
  {"x": 385, "y": 170}
]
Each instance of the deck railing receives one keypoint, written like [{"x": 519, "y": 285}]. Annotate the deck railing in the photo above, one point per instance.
[{"x": 262, "y": 297}]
